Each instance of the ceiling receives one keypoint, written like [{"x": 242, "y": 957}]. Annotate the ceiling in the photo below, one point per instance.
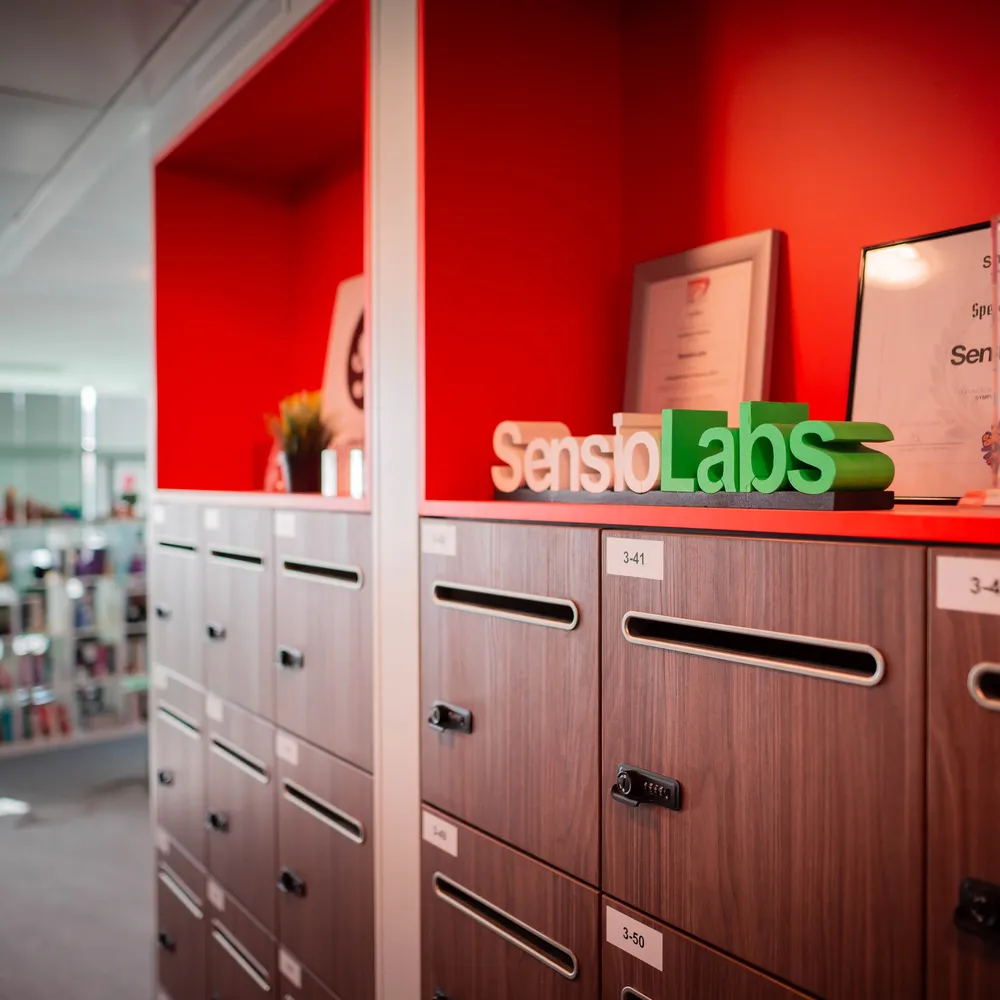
[{"x": 75, "y": 296}]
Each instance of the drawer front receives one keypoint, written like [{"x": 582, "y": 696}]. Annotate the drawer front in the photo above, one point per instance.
[
  {"x": 238, "y": 623},
  {"x": 963, "y": 801},
  {"x": 179, "y": 773},
  {"x": 242, "y": 962},
  {"x": 509, "y": 635},
  {"x": 798, "y": 843},
  {"x": 240, "y": 809},
  {"x": 497, "y": 924},
  {"x": 176, "y": 617},
  {"x": 323, "y": 631},
  {"x": 326, "y": 898},
  {"x": 297, "y": 982},
  {"x": 649, "y": 961},
  {"x": 180, "y": 933}
]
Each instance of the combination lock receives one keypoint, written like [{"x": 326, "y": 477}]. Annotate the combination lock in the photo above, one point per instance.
[
  {"x": 636, "y": 787},
  {"x": 978, "y": 910},
  {"x": 449, "y": 717}
]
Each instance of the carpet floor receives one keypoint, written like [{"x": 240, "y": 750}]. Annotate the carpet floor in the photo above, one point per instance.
[{"x": 76, "y": 875}]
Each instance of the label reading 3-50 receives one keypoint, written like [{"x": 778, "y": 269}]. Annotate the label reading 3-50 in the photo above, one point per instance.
[{"x": 638, "y": 939}]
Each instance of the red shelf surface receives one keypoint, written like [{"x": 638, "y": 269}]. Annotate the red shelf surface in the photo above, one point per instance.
[
  {"x": 930, "y": 524},
  {"x": 260, "y": 213}
]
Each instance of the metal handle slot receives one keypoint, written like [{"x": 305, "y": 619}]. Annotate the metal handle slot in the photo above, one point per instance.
[
  {"x": 176, "y": 546},
  {"x": 519, "y": 934},
  {"x": 630, "y": 994},
  {"x": 232, "y": 947},
  {"x": 177, "y": 888},
  {"x": 984, "y": 685},
  {"x": 240, "y": 759},
  {"x": 179, "y": 721},
  {"x": 826, "y": 659},
  {"x": 238, "y": 557},
  {"x": 347, "y": 826},
  {"x": 553, "y": 612},
  {"x": 321, "y": 572}
]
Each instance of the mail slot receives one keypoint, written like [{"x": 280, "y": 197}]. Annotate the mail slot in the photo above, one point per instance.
[
  {"x": 510, "y": 687},
  {"x": 240, "y": 806},
  {"x": 179, "y": 765},
  {"x": 323, "y": 630},
  {"x": 963, "y": 817},
  {"x": 646, "y": 960},
  {"x": 763, "y": 747},
  {"x": 242, "y": 962},
  {"x": 325, "y": 870},
  {"x": 498, "y": 924},
  {"x": 180, "y": 929},
  {"x": 175, "y": 590},
  {"x": 238, "y": 620}
]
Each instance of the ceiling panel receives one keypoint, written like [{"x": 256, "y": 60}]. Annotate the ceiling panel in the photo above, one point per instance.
[
  {"x": 35, "y": 134},
  {"x": 79, "y": 50},
  {"x": 15, "y": 190}
]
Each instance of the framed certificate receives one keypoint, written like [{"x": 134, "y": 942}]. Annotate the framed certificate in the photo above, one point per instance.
[
  {"x": 924, "y": 359},
  {"x": 702, "y": 323}
]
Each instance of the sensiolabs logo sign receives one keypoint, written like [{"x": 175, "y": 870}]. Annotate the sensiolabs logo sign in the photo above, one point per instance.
[{"x": 775, "y": 447}]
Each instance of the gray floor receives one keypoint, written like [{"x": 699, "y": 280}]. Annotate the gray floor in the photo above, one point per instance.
[{"x": 76, "y": 876}]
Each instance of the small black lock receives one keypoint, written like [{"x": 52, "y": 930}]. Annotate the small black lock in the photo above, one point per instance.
[
  {"x": 978, "y": 910},
  {"x": 449, "y": 717},
  {"x": 163, "y": 612},
  {"x": 217, "y": 821},
  {"x": 215, "y": 632},
  {"x": 636, "y": 787},
  {"x": 290, "y": 658},
  {"x": 166, "y": 942},
  {"x": 165, "y": 777},
  {"x": 290, "y": 883}
]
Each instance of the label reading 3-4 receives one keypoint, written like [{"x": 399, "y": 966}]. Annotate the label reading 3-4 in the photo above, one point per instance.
[
  {"x": 966, "y": 584},
  {"x": 441, "y": 834},
  {"x": 641, "y": 557},
  {"x": 639, "y": 940}
]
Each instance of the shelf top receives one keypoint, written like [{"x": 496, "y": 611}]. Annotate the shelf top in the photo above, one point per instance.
[
  {"x": 905, "y": 523},
  {"x": 279, "y": 501}
]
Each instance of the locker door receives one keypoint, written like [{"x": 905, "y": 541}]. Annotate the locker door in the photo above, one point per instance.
[
  {"x": 180, "y": 932},
  {"x": 963, "y": 818},
  {"x": 242, "y": 955},
  {"x": 297, "y": 982}
]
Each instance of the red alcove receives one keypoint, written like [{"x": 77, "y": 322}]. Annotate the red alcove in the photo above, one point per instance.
[
  {"x": 566, "y": 141},
  {"x": 260, "y": 211}
]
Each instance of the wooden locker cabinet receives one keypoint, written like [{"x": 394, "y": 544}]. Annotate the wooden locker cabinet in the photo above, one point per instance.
[
  {"x": 509, "y": 635},
  {"x": 180, "y": 931},
  {"x": 798, "y": 845},
  {"x": 964, "y": 790},
  {"x": 496, "y": 924},
  {"x": 326, "y": 881},
  {"x": 297, "y": 982},
  {"x": 675, "y": 966},
  {"x": 242, "y": 963},
  {"x": 175, "y": 587},
  {"x": 240, "y": 804},
  {"x": 323, "y": 631},
  {"x": 238, "y": 623},
  {"x": 179, "y": 762}
]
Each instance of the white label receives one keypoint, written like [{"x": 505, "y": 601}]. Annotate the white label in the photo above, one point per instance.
[
  {"x": 284, "y": 524},
  {"x": 639, "y": 940},
  {"x": 441, "y": 834},
  {"x": 290, "y": 969},
  {"x": 634, "y": 557},
  {"x": 210, "y": 518},
  {"x": 437, "y": 538},
  {"x": 162, "y": 841},
  {"x": 159, "y": 514},
  {"x": 286, "y": 748},
  {"x": 215, "y": 895},
  {"x": 213, "y": 707},
  {"x": 161, "y": 679},
  {"x": 968, "y": 585}
]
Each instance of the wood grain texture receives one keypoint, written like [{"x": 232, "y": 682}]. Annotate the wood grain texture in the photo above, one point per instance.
[
  {"x": 963, "y": 800},
  {"x": 240, "y": 667},
  {"x": 243, "y": 857},
  {"x": 227, "y": 979},
  {"x": 469, "y": 961},
  {"x": 529, "y": 772},
  {"x": 175, "y": 588},
  {"x": 182, "y": 969},
  {"x": 332, "y": 929},
  {"x": 329, "y": 700},
  {"x": 179, "y": 806},
  {"x": 691, "y": 971},
  {"x": 800, "y": 843},
  {"x": 310, "y": 989}
]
